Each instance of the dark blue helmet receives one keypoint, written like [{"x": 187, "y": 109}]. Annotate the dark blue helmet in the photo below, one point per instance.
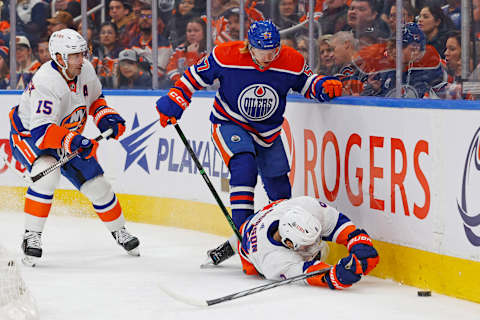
[
  {"x": 411, "y": 33},
  {"x": 263, "y": 35}
]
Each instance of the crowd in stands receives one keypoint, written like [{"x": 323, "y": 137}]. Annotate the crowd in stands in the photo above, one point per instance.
[{"x": 353, "y": 40}]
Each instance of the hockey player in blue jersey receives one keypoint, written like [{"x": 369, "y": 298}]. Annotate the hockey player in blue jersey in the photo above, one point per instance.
[{"x": 255, "y": 77}]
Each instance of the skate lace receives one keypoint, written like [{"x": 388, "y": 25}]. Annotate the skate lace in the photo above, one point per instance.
[
  {"x": 123, "y": 236},
  {"x": 33, "y": 240}
]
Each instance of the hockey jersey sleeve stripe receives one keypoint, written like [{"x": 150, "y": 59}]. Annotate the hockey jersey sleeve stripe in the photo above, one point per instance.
[
  {"x": 192, "y": 80},
  {"x": 52, "y": 139},
  {"x": 197, "y": 77},
  {"x": 342, "y": 222},
  {"x": 341, "y": 235},
  {"x": 17, "y": 124},
  {"x": 99, "y": 103},
  {"x": 307, "y": 85},
  {"x": 186, "y": 86}
]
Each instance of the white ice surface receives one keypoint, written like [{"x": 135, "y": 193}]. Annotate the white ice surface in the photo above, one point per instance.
[{"x": 83, "y": 274}]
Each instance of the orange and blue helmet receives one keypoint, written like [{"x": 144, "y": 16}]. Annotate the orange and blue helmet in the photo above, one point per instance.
[{"x": 263, "y": 35}]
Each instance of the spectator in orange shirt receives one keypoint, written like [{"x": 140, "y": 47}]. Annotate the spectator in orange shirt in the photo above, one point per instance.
[{"x": 190, "y": 52}]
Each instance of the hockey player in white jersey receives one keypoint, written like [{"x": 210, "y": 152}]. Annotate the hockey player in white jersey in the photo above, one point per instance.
[
  {"x": 48, "y": 123},
  {"x": 286, "y": 238}
]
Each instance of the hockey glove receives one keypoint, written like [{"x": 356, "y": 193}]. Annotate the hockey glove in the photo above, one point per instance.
[
  {"x": 171, "y": 105},
  {"x": 74, "y": 141},
  {"x": 360, "y": 244},
  {"x": 345, "y": 273},
  {"x": 326, "y": 88},
  {"x": 106, "y": 118}
]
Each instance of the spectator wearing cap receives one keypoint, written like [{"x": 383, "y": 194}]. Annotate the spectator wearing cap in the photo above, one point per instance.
[
  {"x": 189, "y": 52},
  {"x": 363, "y": 18},
  {"x": 4, "y": 68},
  {"x": 142, "y": 43},
  {"x": 61, "y": 20},
  {"x": 130, "y": 75},
  {"x": 26, "y": 64},
  {"x": 334, "y": 17},
  {"x": 122, "y": 15}
]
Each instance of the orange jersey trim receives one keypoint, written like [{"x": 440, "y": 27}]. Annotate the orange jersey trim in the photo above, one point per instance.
[
  {"x": 53, "y": 137},
  {"x": 229, "y": 55},
  {"x": 100, "y": 102}
]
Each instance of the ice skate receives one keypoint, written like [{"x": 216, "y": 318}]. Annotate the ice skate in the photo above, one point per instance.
[
  {"x": 218, "y": 255},
  {"x": 127, "y": 241},
  {"x": 31, "y": 247}
]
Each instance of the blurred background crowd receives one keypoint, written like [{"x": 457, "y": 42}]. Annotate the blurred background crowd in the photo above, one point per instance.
[{"x": 352, "y": 39}]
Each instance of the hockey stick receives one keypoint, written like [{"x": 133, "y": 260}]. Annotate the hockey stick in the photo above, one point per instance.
[
  {"x": 173, "y": 121},
  {"x": 206, "y": 303},
  {"x": 28, "y": 179}
]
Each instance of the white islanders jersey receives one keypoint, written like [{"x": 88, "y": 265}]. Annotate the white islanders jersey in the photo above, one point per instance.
[
  {"x": 50, "y": 99},
  {"x": 271, "y": 258}
]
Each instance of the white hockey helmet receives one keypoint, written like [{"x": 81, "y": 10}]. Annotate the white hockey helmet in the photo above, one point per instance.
[
  {"x": 300, "y": 227},
  {"x": 65, "y": 42}
]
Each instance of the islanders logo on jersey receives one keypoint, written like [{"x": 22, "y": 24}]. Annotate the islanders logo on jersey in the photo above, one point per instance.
[
  {"x": 258, "y": 102},
  {"x": 75, "y": 121}
]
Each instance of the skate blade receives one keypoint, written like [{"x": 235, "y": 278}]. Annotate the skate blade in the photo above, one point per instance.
[
  {"x": 134, "y": 252},
  {"x": 29, "y": 261}
]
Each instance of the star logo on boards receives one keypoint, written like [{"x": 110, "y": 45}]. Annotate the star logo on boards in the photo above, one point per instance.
[{"x": 135, "y": 145}]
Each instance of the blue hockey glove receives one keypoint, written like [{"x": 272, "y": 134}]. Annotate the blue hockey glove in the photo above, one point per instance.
[
  {"x": 74, "y": 141},
  {"x": 360, "y": 244},
  {"x": 171, "y": 105},
  {"x": 345, "y": 273},
  {"x": 327, "y": 88},
  {"x": 107, "y": 118}
]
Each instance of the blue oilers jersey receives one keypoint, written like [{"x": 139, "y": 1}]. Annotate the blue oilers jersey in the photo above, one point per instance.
[{"x": 249, "y": 96}]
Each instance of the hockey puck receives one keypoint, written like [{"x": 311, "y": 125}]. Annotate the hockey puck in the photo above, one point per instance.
[{"x": 424, "y": 293}]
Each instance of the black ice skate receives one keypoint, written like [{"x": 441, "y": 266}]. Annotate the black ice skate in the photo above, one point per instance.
[
  {"x": 127, "y": 241},
  {"x": 219, "y": 254},
  {"x": 31, "y": 247}
]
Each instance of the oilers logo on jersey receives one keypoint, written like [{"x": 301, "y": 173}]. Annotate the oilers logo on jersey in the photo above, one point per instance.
[{"x": 258, "y": 102}]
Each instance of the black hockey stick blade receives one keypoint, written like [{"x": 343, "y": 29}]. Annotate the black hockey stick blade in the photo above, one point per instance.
[{"x": 206, "y": 303}]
